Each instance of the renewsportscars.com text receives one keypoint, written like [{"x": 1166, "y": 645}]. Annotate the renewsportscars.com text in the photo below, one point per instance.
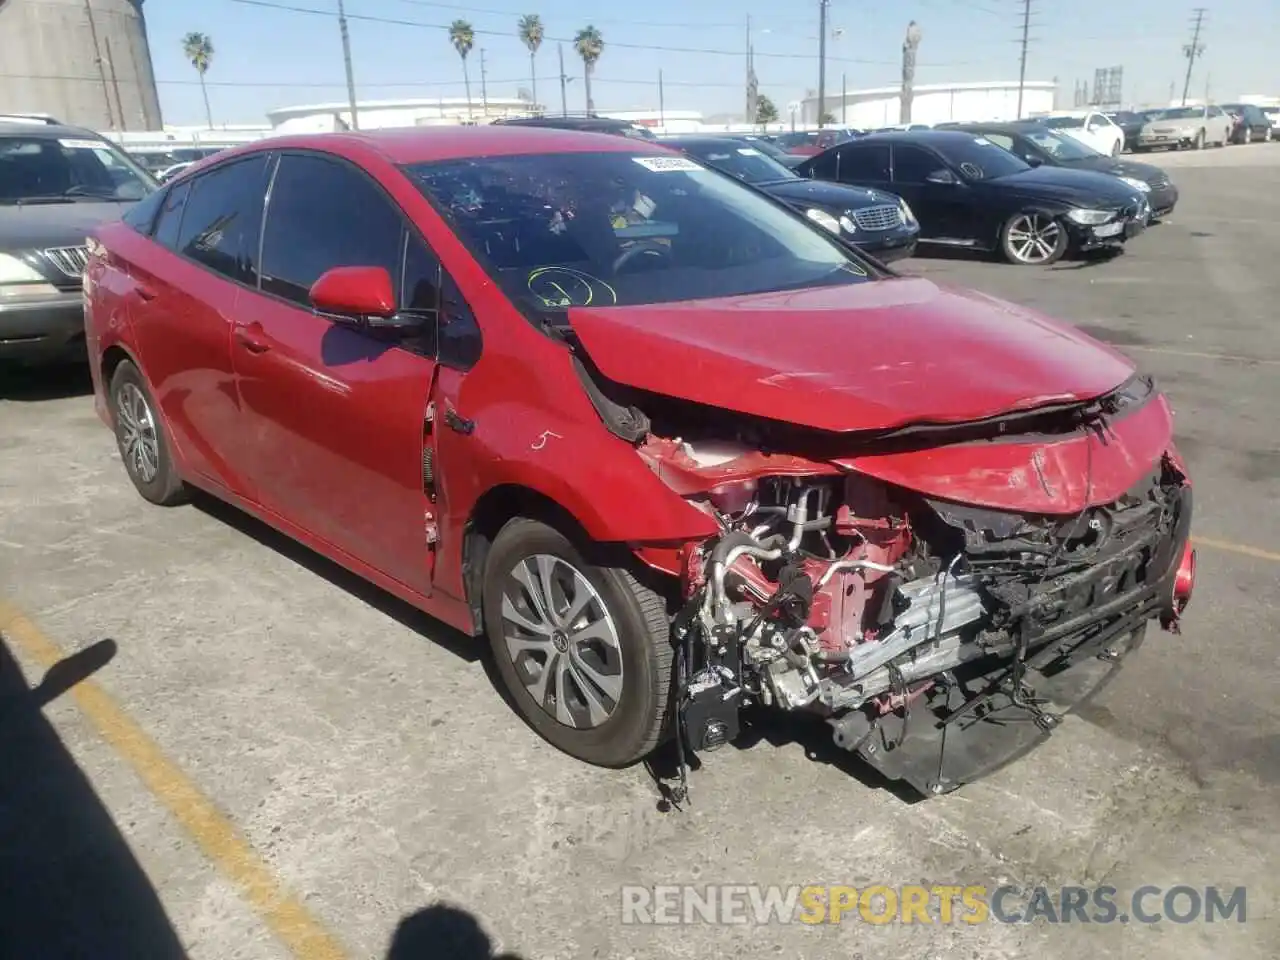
[{"x": 937, "y": 904}]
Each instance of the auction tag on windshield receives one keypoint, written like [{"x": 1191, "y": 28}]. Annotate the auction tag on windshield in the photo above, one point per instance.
[
  {"x": 668, "y": 164},
  {"x": 749, "y": 151},
  {"x": 81, "y": 144}
]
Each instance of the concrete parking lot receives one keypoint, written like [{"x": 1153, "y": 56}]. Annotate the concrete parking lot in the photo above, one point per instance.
[{"x": 252, "y": 755}]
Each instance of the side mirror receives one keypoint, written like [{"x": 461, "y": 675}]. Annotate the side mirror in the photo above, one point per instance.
[
  {"x": 362, "y": 298},
  {"x": 941, "y": 176},
  {"x": 1033, "y": 160}
]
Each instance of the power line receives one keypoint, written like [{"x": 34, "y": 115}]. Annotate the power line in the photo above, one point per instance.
[
  {"x": 703, "y": 51},
  {"x": 1193, "y": 49}
]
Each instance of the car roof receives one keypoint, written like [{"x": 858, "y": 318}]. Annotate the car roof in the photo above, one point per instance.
[
  {"x": 51, "y": 131},
  {"x": 938, "y": 138},
  {"x": 424, "y": 144}
]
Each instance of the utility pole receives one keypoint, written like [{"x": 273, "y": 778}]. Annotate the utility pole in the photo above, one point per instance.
[
  {"x": 346, "y": 62},
  {"x": 751, "y": 114},
  {"x": 844, "y": 101},
  {"x": 1193, "y": 49},
  {"x": 822, "y": 59},
  {"x": 97, "y": 57},
  {"x": 662, "y": 103},
  {"x": 564, "y": 97},
  {"x": 484, "y": 89},
  {"x": 1026, "y": 39}
]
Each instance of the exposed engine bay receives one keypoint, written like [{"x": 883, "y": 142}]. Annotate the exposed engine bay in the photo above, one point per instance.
[{"x": 905, "y": 620}]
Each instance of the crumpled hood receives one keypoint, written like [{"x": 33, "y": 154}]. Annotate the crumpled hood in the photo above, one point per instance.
[{"x": 866, "y": 357}]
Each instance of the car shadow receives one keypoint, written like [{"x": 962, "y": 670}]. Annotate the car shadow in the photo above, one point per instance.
[
  {"x": 442, "y": 932},
  {"x": 72, "y": 887},
  {"x": 469, "y": 649},
  {"x": 1090, "y": 258},
  {"x": 36, "y": 384}
]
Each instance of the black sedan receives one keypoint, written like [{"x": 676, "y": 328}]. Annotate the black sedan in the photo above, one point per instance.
[
  {"x": 1251, "y": 123},
  {"x": 874, "y": 221},
  {"x": 970, "y": 193},
  {"x": 1040, "y": 146},
  {"x": 1131, "y": 122}
]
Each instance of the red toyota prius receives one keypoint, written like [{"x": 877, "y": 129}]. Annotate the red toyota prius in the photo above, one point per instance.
[{"x": 675, "y": 450}]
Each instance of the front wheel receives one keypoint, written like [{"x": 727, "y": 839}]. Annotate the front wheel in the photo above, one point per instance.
[
  {"x": 140, "y": 435},
  {"x": 1117, "y": 147},
  {"x": 1199, "y": 144},
  {"x": 582, "y": 647},
  {"x": 1033, "y": 239}
]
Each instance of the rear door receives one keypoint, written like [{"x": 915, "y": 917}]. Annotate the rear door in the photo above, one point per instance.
[
  {"x": 333, "y": 427},
  {"x": 864, "y": 165},
  {"x": 186, "y": 294}
]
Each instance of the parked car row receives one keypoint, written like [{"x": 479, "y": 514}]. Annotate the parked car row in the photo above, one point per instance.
[{"x": 671, "y": 446}]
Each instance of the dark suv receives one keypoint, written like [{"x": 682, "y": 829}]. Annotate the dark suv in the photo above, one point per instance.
[{"x": 56, "y": 184}]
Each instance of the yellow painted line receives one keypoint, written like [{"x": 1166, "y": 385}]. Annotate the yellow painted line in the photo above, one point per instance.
[
  {"x": 1174, "y": 352},
  {"x": 1240, "y": 548},
  {"x": 216, "y": 837}
]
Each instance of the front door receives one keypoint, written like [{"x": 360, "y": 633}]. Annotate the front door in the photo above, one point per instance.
[
  {"x": 940, "y": 207},
  {"x": 334, "y": 418}
]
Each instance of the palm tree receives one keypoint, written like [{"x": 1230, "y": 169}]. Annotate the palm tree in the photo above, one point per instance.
[
  {"x": 530, "y": 30},
  {"x": 198, "y": 48},
  {"x": 589, "y": 44},
  {"x": 463, "y": 38}
]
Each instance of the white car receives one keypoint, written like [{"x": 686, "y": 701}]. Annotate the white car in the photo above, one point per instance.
[
  {"x": 1090, "y": 127},
  {"x": 1273, "y": 114}
]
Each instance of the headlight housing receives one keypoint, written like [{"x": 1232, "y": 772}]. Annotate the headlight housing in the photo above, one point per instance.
[
  {"x": 1089, "y": 218},
  {"x": 823, "y": 219},
  {"x": 907, "y": 215},
  {"x": 847, "y": 224},
  {"x": 1140, "y": 185},
  {"x": 19, "y": 281}
]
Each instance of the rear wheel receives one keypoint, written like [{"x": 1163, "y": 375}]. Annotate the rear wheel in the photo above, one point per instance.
[
  {"x": 1033, "y": 239},
  {"x": 141, "y": 437},
  {"x": 581, "y": 645}
]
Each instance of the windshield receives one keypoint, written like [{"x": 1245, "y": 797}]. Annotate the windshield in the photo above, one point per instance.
[
  {"x": 980, "y": 159},
  {"x": 742, "y": 161},
  {"x": 1060, "y": 147},
  {"x": 1180, "y": 113},
  {"x": 67, "y": 170},
  {"x": 601, "y": 229},
  {"x": 1063, "y": 123}
]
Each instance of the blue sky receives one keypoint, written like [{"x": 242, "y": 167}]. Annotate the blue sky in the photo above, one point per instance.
[{"x": 269, "y": 57}]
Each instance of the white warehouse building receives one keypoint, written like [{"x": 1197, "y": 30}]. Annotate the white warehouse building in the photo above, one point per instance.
[
  {"x": 933, "y": 103},
  {"x": 375, "y": 114}
]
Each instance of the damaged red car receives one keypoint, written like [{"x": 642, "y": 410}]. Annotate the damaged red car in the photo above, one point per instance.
[{"x": 680, "y": 454}]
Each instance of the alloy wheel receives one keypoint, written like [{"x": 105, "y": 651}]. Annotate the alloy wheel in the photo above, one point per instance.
[
  {"x": 1248, "y": 134},
  {"x": 137, "y": 430},
  {"x": 1033, "y": 238},
  {"x": 562, "y": 641}
]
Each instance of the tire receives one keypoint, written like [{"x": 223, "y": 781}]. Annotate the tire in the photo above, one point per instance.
[
  {"x": 1248, "y": 134},
  {"x": 1117, "y": 148},
  {"x": 1268, "y": 136},
  {"x": 1199, "y": 142},
  {"x": 1038, "y": 228},
  {"x": 609, "y": 723},
  {"x": 142, "y": 438}
]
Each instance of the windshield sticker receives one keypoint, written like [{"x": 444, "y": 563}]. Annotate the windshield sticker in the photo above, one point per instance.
[
  {"x": 668, "y": 164},
  {"x": 982, "y": 141},
  {"x": 82, "y": 144},
  {"x": 749, "y": 151}
]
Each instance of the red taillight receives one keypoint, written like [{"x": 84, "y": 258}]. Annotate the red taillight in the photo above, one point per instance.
[{"x": 1184, "y": 584}]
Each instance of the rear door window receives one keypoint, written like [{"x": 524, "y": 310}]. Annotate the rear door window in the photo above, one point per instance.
[
  {"x": 170, "y": 220},
  {"x": 223, "y": 218},
  {"x": 864, "y": 163}
]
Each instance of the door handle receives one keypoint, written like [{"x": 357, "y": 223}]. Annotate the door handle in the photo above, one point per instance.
[
  {"x": 145, "y": 293},
  {"x": 251, "y": 338}
]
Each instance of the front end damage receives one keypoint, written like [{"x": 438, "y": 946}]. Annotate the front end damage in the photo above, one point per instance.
[{"x": 938, "y": 639}]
